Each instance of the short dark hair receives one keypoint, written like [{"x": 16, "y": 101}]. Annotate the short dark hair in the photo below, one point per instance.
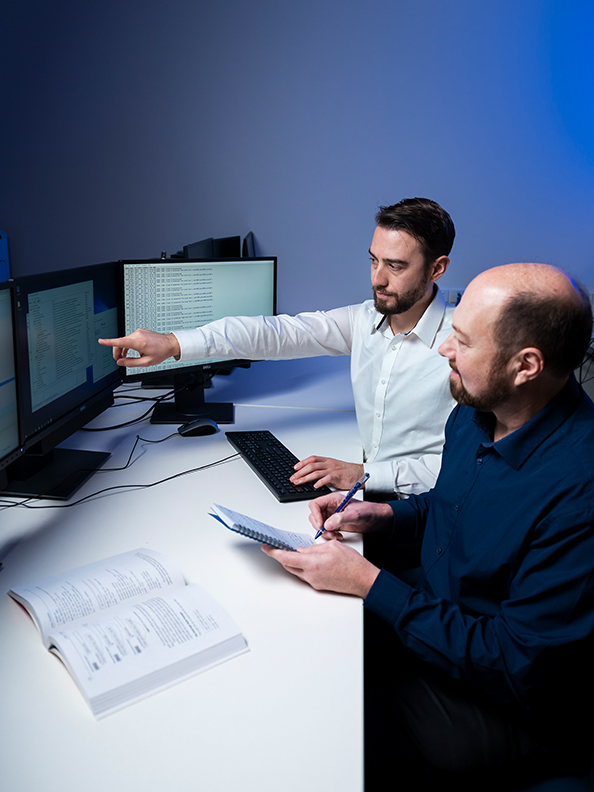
[
  {"x": 424, "y": 220},
  {"x": 560, "y": 328}
]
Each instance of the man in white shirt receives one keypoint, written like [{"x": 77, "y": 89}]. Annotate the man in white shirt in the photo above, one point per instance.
[{"x": 400, "y": 382}]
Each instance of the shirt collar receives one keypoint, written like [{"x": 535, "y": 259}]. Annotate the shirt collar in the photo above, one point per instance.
[
  {"x": 517, "y": 446},
  {"x": 429, "y": 324}
]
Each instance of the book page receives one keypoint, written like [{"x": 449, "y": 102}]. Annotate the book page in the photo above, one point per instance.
[
  {"x": 81, "y": 593},
  {"x": 135, "y": 650}
]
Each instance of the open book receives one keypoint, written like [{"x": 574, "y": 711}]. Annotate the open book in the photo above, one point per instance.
[
  {"x": 128, "y": 626},
  {"x": 286, "y": 540}
]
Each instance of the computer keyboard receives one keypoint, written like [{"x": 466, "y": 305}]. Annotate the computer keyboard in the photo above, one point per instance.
[{"x": 274, "y": 464}]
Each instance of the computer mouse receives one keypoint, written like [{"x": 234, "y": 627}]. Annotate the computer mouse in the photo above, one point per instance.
[{"x": 201, "y": 426}]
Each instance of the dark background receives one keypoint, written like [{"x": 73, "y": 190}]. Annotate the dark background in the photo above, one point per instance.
[{"x": 129, "y": 127}]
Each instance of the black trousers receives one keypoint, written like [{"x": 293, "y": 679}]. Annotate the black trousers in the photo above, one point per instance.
[{"x": 423, "y": 728}]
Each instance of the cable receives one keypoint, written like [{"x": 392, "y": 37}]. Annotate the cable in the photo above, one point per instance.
[
  {"x": 156, "y": 400},
  {"x": 587, "y": 366},
  {"x": 140, "y": 418},
  {"x": 128, "y": 463},
  {"x": 9, "y": 504},
  {"x": 26, "y": 505}
]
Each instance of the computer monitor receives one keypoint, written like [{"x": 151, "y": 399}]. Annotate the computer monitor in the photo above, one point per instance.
[
  {"x": 212, "y": 248},
  {"x": 10, "y": 447},
  {"x": 65, "y": 378},
  {"x": 177, "y": 295},
  {"x": 248, "y": 248}
]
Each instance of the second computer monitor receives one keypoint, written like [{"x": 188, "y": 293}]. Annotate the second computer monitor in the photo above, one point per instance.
[
  {"x": 179, "y": 295},
  {"x": 65, "y": 378}
]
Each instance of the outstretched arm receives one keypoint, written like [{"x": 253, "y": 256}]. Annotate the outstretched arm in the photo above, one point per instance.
[{"x": 152, "y": 347}]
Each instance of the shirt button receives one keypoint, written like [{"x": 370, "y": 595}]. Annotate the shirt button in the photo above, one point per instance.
[
  {"x": 456, "y": 507},
  {"x": 438, "y": 551},
  {"x": 479, "y": 461}
]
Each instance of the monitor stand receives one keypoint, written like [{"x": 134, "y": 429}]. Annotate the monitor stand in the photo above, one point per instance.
[
  {"x": 189, "y": 402},
  {"x": 55, "y": 475}
]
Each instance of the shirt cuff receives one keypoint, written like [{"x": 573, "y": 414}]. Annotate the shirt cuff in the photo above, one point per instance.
[
  {"x": 187, "y": 340},
  {"x": 381, "y": 477},
  {"x": 387, "y": 597}
]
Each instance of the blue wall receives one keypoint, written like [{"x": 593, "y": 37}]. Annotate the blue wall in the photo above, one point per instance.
[{"x": 134, "y": 126}]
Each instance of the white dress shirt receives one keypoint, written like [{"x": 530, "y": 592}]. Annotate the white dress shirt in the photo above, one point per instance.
[{"x": 400, "y": 382}]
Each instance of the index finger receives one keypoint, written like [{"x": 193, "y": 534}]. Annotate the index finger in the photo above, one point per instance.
[
  {"x": 308, "y": 461},
  {"x": 124, "y": 342},
  {"x": 322, "y": 508},
  {"x": 121, "y": 347}
]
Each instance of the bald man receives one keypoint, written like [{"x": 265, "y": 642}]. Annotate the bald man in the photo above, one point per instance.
[{"x": 487, "y": 663}]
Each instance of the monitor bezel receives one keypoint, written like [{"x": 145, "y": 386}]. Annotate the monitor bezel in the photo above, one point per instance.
[{"x": 18, "y": 450}]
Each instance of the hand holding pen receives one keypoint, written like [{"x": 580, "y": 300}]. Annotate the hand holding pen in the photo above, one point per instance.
[{"x": 347, "y": 500}]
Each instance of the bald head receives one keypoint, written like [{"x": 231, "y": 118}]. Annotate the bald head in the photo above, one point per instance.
[
  {"x": 540, "y": 280},
  {"x": 535, "y": 305}
]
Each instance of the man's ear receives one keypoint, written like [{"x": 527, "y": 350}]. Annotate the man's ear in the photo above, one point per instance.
[
  {"x": 528, "y": 364},
  {"x": 438, "y": 267}
]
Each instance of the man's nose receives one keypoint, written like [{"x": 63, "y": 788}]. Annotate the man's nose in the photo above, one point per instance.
[
  {"x": 446, "y": 349},
  {"x": 379, "y": 276}
]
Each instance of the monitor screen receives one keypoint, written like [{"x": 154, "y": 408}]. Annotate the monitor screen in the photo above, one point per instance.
[
  {"x": 65, "y": 377},
  {"x": 179, "y": 295},
  {"x": 10, "y": 447}
]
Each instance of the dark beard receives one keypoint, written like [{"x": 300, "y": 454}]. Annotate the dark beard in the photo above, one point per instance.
[
  {"x": 497, "y": 391},
  {"x": 398, "y": 303}
]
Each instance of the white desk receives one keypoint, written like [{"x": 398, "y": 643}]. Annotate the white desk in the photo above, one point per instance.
[{"x": 285, "y": 716}]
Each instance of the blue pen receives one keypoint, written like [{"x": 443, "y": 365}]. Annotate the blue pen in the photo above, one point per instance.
[{"x": 346, "y": 501}]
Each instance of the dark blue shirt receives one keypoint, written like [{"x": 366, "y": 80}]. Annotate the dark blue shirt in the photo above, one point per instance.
[{"x": 506, "y": 595}]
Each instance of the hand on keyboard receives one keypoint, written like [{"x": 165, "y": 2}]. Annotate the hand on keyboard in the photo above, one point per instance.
[
  {"x": 274, "y": 464},
  {"x": 327, "y": 471}
]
